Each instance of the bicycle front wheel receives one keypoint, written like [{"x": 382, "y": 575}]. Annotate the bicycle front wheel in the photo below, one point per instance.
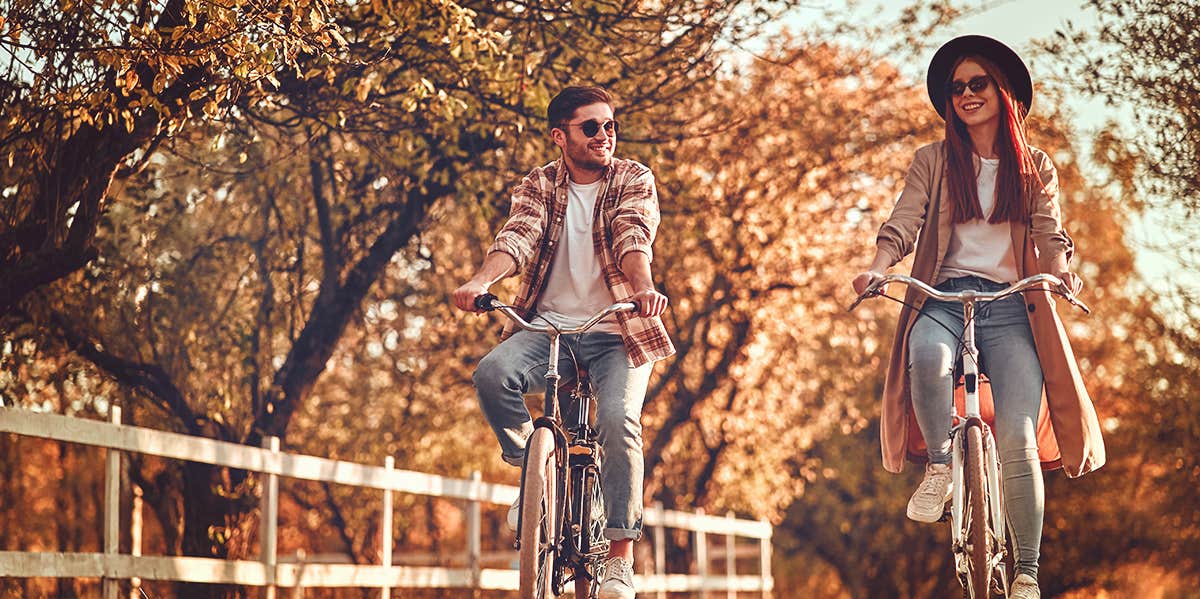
[
  {"x": 978, "y": 522},
  {"x": 537, "y": 535}
]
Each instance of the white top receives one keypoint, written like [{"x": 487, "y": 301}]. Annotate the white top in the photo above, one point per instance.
[
  {"x": 575, "y": 288},
  {"x": 977, "y": 247}
]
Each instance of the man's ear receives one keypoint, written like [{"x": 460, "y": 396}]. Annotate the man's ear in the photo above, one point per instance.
[{"x": 558, "y": 137}]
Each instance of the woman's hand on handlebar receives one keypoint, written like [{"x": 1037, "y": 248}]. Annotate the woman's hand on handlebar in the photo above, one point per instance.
[
  {"x": 650, "y": 303},
  {"x": 864, "y": 280},
  {"x": 1071, "y": 281},
  {"x": 464, "y": 297}
]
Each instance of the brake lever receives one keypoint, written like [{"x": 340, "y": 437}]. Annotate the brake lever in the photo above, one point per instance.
[
  {"x": 1077, "y": 303},
  {"x": 872, "y": 290}
]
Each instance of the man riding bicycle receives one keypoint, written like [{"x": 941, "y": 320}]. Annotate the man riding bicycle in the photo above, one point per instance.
[{"x": 580, "y": 233}]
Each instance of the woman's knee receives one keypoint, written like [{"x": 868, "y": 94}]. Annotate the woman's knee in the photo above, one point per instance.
[{"x": 930, "y": 359}]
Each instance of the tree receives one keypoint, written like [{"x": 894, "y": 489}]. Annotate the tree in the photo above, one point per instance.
[
  {"x": 1158, "y": 51},
  {"x": 1139, "y": 59},
  {"x": 757, "y": 207},
  {"x": 91, "y": 89}
]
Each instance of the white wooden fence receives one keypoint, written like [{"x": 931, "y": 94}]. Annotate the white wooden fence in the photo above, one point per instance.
[{"x": 270, "y": 572}]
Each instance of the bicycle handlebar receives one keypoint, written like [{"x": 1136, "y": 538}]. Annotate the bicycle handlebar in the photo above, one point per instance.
[
  {"x": 1027, "y": 283},
  {"x": 488, "y": 302}
]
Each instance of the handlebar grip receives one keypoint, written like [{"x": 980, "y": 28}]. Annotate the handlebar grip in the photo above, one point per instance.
[{"x": 486, "y": 302}]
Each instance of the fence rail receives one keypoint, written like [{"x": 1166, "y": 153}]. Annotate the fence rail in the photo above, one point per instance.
[{"x": 270, "y": 572}]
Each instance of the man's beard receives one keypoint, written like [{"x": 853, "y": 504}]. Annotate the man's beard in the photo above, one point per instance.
[{"x": 585, "y": 159}]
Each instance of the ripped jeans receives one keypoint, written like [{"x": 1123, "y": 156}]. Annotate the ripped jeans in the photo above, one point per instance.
[{"x": 1009, "y": 358}]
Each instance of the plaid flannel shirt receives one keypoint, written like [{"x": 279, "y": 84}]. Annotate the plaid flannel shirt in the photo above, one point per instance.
[{"x": 627, "y": 212}]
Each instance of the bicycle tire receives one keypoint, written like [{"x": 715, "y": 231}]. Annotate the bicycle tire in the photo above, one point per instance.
[
  {"x": 978, "y": 522},
  {"x": 538, "y": 534}
]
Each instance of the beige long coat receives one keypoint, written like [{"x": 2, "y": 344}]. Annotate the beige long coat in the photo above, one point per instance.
[{"x": 1068, "y": 430}]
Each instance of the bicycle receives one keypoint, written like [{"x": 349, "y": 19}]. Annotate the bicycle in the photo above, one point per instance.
[
  {"x": 978, "y": 540},
  {"x": 560, "y": 478}
]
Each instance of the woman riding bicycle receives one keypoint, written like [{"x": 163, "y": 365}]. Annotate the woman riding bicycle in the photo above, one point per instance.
[{"x": 995, "y": 201}]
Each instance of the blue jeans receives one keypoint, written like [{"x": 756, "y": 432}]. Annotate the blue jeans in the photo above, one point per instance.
[
  {"x": 518, "y": 366},
  {"x": 1009, "y": 358}
]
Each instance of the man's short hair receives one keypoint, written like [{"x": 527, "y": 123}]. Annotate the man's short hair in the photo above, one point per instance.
[{"x": 564, "y": 105}]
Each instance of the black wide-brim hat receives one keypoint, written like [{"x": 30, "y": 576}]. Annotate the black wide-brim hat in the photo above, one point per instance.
[{"x": 1002, "y": 56}]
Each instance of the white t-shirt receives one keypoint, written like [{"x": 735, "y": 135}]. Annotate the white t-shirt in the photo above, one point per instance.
[
  {"x": 575, "y": 288},
  {"x": 977, "y": 247}
]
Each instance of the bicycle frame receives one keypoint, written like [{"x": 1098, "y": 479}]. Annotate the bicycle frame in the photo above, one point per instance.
[{"x": 971, "y": 418}]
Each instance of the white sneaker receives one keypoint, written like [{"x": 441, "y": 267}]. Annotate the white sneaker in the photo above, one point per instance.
[
  {"x": 1025, "y": 587},
  {"x": 928, "y": 503},
  {"x": 514, "y": 512},
  {"x": 616, "y": 579}
]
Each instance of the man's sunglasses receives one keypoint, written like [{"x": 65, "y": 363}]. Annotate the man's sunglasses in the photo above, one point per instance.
[
  {"x": 977, "y": 84},
  {"x": 592, "y": 126}
]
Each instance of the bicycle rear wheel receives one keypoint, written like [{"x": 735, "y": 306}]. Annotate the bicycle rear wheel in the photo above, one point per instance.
[
  {"x": 590, "y": 541},
  {"x": 537, "y": 535},
  {"x": 978, "y": 519}
]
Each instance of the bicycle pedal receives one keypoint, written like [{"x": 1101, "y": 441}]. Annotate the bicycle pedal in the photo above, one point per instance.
[{"x": 945, "y": 515}]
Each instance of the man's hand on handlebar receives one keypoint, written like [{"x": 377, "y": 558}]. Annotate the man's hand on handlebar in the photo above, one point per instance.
[
  {"x": 464, "y": 297},
  {"x": 650, "y": 303}
]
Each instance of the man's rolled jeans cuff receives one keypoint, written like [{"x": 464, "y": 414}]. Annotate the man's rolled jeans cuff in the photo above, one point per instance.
[
  {"x": 622, "y": 534},
  {"x": 517, "y": 461}
]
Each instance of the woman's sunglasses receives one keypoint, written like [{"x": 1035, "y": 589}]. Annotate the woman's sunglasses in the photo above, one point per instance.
[
  {"x": 592, "y": 126},
  {"x": 977, "y": 84}
]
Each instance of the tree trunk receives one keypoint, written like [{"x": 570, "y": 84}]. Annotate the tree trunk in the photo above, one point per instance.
[{"x": 218, "y": 516}]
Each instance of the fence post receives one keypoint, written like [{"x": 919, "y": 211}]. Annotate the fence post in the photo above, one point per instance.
[
  {"x": 269, "y": 522},
  {"x": 660, "y": 550},
  {"x": 730, "y": 559},
  {"x": 474, "y": 526},
  {"x": 301, "y": 562},
  {"x": 385, "y": 531},
  {"x": 135, "y": 539},
  {"x": 764, "y": 556},
  {"x": 112, "y": 509},
  {"x": 702, "y": 557}
]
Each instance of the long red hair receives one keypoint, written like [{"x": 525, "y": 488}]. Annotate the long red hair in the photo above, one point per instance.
[{"x": 1017, "y": 178}]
